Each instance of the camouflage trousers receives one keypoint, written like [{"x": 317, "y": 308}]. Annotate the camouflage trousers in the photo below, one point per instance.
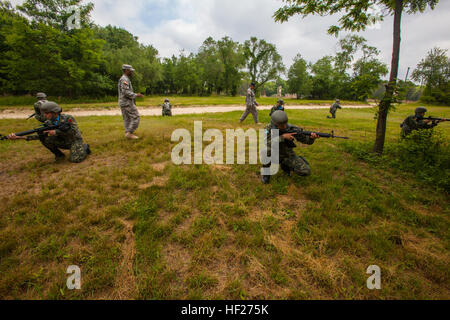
[
  {"x": 292, "y": 162},
  {"x": 167, "y": 113},
  {"x": 253, "y": 111},
  {"x": 333, "y": 115},
  {"x": 131, "y": 118},
  {"x": 77, "y": 148}
]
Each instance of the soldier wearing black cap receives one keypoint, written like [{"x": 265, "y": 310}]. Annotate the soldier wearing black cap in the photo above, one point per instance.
[
  {"x": 417, "y": 122},
  {"x": 278, "y": 107},
  {"x": 127, "y": 102},
  {"x": 251, "y": 104}
]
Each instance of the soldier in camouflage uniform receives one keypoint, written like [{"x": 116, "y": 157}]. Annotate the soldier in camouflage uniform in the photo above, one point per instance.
[
  {"x": 42, "y": 98},
  {"x": 289, "y": 160},
  {"x": 333, "y": 109},
  {"x": 127, "y": 103},
  {"x": 167, "y": 108},
  {"x": 417, "y": 122},
  {"x": 251, "y": 105},
  {"x": 68, "y": 137},
  {"x": 277, "y": 107}
]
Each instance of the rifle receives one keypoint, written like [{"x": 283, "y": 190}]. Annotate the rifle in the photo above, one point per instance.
[
  {"x": 63, "y": 127},
  {"x": 34, "y": 114},
  {"x": 299, "y": 131},
  {"x": 436, "y": 119}
]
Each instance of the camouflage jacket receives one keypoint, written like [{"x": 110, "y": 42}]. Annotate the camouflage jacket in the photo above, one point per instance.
[
  {"x": 69, "y": 131},
  {"x": 276, "y": 108},
  {"x": 127, "y": 96},
  {"x": 414, "y": 123},
  {"x": 250, "y": 100},
  {"x": 167, "y": 106},
  {"x": 37, "y": 111},
  {"x": 334, "y": 107},
  {"x": 285, "y": 145}
]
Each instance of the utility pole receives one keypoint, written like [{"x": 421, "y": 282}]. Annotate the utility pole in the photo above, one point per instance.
[{"x": 407, "y": 74}]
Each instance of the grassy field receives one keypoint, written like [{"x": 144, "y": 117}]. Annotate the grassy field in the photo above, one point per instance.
[
  {"x": 142, "y": 228},
  {"x": 21, "y": 103}
]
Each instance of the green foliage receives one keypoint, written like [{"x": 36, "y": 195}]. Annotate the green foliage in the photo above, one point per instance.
[
  {"x": 263, "y": 61},
  {"x": 355, "y": 15},
  {"x": 434, "y": 72},
  {"x": 425, "y": 153},
  {"x": 299, "y": 81}
]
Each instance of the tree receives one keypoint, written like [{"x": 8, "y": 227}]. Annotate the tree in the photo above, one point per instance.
[
  {"x": 356, "y": 17},
  {"x": 434, "y": 72},
  {"x": 323, "y": 79},
  {"x": 232, "y": 58},
  {"x": 264, "y": 63},
  {"x": 299, "y": 80}
]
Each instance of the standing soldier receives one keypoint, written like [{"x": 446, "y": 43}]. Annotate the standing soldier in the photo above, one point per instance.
[
  {"x": 167, "y": 108},
  {"x": 333, "y": 109},
  {"x": 278, "y": 107},
  {"x": 127, "y": 103},
  {"x": 67, "y": 137},
  {"x": 42, "y": 98},
  {"x": 251, "y": 104},
  {"x": 289, "y": 160},
  {"x": 417, "y": 122}
]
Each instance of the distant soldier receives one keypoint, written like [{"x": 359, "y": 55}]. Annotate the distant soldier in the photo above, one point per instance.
[
  {"x": 68, "y": 137},
  {"x": 289, "y": 160},
  {"x": 417, "y": 122},
  {"x": 278, "y": 107},
  {"x": 333, "y": 109},
  {"x": 251, "y": 104},
  {"x": 127, "y": 102},
  {"x": 42, "y": 98},
  {"x": 167, "y": 108}
]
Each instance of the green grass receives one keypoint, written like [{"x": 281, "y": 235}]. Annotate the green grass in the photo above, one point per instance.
[
  {"x": 215, "y": 232},
  {"x": 26, "y": 102}
]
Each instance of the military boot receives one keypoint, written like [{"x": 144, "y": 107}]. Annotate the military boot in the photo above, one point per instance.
[
  {"x": 131, "y": 136},
  {"x": 265, "y": 179},
  {"x": 87, "y": 149}
]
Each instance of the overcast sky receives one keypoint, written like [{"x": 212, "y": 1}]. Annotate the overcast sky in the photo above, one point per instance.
[{"x": 172, "y": 25}]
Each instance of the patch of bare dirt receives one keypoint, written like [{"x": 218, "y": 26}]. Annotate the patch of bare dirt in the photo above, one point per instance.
[{"x": 125, "y": 285}]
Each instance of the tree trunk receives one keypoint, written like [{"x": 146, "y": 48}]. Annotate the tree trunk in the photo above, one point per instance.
[{"x": 385, "y": 103}]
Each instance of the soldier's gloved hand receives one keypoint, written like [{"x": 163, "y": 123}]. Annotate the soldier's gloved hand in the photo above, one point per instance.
[
  {"x": 314, "y": 136},
  {"x": 51, "y": 132}
]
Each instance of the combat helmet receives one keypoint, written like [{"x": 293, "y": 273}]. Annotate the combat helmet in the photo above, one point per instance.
[
  {"x": 51, "y": 107},
  {"x": 281, "y": 102},
  {"x": 421, "y": 110},
  {"x": 279, "y": 118},
  {"x": 41, "y": 95}
]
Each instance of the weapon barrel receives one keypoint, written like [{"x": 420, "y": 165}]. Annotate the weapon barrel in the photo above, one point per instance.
[{"x": 437, "y": 119}]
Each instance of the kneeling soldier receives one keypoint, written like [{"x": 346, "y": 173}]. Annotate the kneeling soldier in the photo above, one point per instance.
[
  {"x": 67, "y": 137},
  {"x": 289, "y": 161},
  {"x": 417, "y": 122},
  {"x": 167, "y": 108}
]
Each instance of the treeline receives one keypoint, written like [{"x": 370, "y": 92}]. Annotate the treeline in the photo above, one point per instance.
[{"x": 39, "y": 51}]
